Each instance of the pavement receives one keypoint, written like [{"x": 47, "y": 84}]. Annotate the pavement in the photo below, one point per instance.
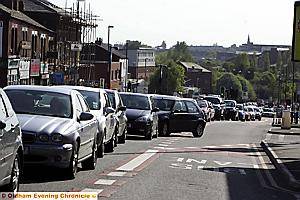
[
  {"x": 226, "y": 163},
  {"x": 283, "y": 148}
]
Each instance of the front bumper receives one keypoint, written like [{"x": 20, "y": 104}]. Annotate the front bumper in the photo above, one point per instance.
[
  {"x": 138, "y": 128},
  {"x": 48, "y": 155}
]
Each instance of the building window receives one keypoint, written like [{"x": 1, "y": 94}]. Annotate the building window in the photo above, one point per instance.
[
  {"x": 116, "y": 74},
  {"x": 24, "y": 38},
  {"x": 112, "y": 74},
  {"x": 43, "y": 47},
  {"x": 14, "y": 38},
  {"x": 34, "y": 43}
]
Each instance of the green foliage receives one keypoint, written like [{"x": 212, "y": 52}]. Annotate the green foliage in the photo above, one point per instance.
[
  {"x": 247, "y": 88},
  {"x": 135, "y": 44},
  {"x": 230, "y": 82},
  {"x": 172, "y": 80}
]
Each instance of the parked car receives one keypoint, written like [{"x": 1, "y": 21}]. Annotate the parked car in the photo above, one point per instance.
[
  {"x": 141, "y": 115},
  {"x": 179, "y": 115},
  {"x": 212, "y": 111},
  {"x": 57, "y": 126},
  {"x": 230, "y": 110},
  {"x": 218, "y": 106},
  {"x": 257, "y": 113},
  {"x": 268, "y": 112},
  {"x": 251, "y": 112},
  {"x": 120, "y": 114},
  {"x": 241, "y": 112},
  {"x": 206, "y": 108},
  {"x": 101, "y": 107},
  {"x": 11, "y": 148}
]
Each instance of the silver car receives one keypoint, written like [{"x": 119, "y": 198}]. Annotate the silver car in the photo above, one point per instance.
[
  {"x": 57, "y": 126},
  {"x": 11, "y": 149}
]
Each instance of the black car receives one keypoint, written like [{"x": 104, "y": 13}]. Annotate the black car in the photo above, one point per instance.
[
  {"x": 179, "y": 115},
  {"x": 141, "y": 115},
  {"x": 230, "y": 110},
  {"x": 218, "y": 106},
  {"x": 117, "y": 104}
]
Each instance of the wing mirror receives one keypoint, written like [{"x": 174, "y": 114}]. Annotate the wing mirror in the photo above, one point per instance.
[
  {"x": 84, "y": 116},
  {"x": 2, "y": 125},
  {"x": 155, "y": 109},
  {"x": 176, "y": 111},
  {"x": 108, "y": 110},
  {"x": 122, "y": 108}
]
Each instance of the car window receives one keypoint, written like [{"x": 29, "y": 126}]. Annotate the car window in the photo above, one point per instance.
[
  {"x": 92, "y": 99},
  {"x": 83, "y": 104},
  {"x": 111, "y": 97},
  {"x": 40, "y": 103},
  {"x": 192, "y": 108},
  {"x": 180, "y": 106},
  {"x": 164, "y": 104},
  {"x": 136, "y": 102},
  {"x": 107, "y": 102},
  {"x": 77, "y": 106},
  {"x": 3, "y": 112}
]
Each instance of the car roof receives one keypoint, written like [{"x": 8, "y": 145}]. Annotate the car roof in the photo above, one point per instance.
[
  {"x": 165, "y": 97},
  {"x": 79, "y": 88},
  {"x": 134, "y": 94},
  {"x": 40, "y": 88}
]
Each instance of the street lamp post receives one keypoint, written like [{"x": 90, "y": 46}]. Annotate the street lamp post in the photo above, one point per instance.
[
  {"x": 109, "y": 56},
  {"x": 146, "y": 59}
]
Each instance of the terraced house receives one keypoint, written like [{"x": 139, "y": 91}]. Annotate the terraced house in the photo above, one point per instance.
[{"x": 23, "y": 46}]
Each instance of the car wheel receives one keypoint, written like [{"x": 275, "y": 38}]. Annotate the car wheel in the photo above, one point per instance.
[
  {"x": 199, "y": 130},
  {"x": 100, "y": 149},
  {"x": 156, "y": 132},
  {"x": 122, "y": 138},
  {"x": 73, "y": 167},
  {"x": 15, "y": 175},
  {"x": 116, "y": 136},
  {"x": 164, "y": 131},
  {"x": 109, "y": 147},
  {"x": 91, "y": 162},
  {"x": 149, "y": 135}
]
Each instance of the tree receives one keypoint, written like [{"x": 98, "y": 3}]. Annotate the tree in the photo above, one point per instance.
[
  {"x": 132, "y": 45},
  {"x": 247, "y": 88},
  {"x": 169, "y": 81},
  {"x": 231, "y": 84}
]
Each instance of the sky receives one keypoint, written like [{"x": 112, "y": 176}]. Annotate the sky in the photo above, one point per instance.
[{"x": 197, "y": 22}]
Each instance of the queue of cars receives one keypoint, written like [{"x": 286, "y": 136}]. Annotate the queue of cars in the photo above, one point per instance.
[{"x": 64, "y": 126}]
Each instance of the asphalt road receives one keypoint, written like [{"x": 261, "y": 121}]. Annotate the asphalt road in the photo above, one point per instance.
[{"x": 226, "y": 163}]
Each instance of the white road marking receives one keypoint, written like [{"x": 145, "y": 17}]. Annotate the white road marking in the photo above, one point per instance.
[
  {"x": 196, "y": 161},
  {"x": 281, "y": 138},
  {"x": 191, "y": 147},
  {"x": 98, "y": 191},
  {"x": 117, "y": 174},
  {"x": 181, "y": 166},
  {"x": 200, "y": 167},
  {"x": 180, "y": 159},
  {"x": 131, "y": 165},
  {"x": 104, "y": 182},
  {"x": 210, "y": 147},
  {"x": 268, "y": 137},
  {"x": 222, "y": 163},
  {"x": 169, "y": 143},
  {"x": 242, "y": 171},
  {"x": 227, "y": 145},
  {"x": 163, "y": 145},
  {"x": 164, "y": 148}
]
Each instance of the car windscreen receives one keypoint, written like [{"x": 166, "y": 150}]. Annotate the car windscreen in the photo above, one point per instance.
[
  {"x": 40, "y": 103},
  {"x": 213, "y": 100},
  {"x": 240, "y": 107},
  {"x": 111, "y": 97},
  {"x": 250, "y": 110},
  {"x": 202, "y": 104},
  {"x": 92, "y": 98},
  {"x": 135, "y": 102},
  {"x": 229, "y": 104},
  {"x": 164, "y": 104}
]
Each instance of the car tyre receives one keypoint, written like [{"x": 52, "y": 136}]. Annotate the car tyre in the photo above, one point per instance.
[
  {"x": 198, "y": 132},
  {"x": 73, "y": 166},
  {"x": 164, "y": 131},
  {"x": 122, "y": 138},
  {"x": 149, "y": 135},
  {"x": 100, "y": 149},
  {"x": 109, "y": 147},
  {"x": 13, "y": 186},
  {"x": 91, "y": 162}
]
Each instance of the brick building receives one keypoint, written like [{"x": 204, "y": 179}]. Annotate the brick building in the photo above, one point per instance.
[
  {"x": 95, "y": 69},
  {"x": 23, "y": 46},
  {"x": 197, "y": 76}
]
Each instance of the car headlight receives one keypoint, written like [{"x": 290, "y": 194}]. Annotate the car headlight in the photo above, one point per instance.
[
  {"x": 57, "y": 138},
  {"x": 142, "y": 119},
  {"x": 43, "y": 138}
]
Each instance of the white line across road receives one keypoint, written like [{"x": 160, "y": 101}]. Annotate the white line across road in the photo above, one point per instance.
[
  {"x": 98, "y": 191},
  {"x": 136, "y": 162},
  {"x": 117, "y": 174},
  {"x": 104, "y": 182}
]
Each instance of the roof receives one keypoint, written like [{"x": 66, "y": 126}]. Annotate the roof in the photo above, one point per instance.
[
  {"x": 190, "y": 65},
  {"x": 43, "y": 6},
  {"x": 165, "y": 97},
  {"x": 66, "y": 91},
  {"x": 133, "y": 94},
  {"x": 22, "y": 17},
  {"x": 113, "y": 51},
  {"x": 82, "y": 88}
]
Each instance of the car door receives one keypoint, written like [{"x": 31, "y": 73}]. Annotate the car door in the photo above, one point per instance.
[
  {"x": 83, "y": 129},
  {"x": 191, "y": 119},
  {"x": 154, "y": 115},
  {"x": 7, "y": 138},
  {"x": 120, "y": 114},
  {"x": 177, "y": 117},
  {"x": 110, "y": 119}
]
